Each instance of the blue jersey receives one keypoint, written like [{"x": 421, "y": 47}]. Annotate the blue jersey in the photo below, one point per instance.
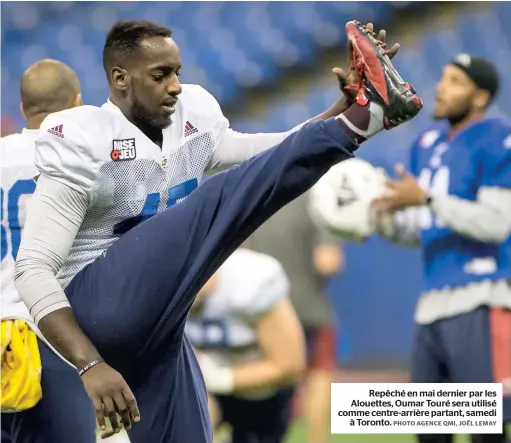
[{"x": 478, "y": 156}]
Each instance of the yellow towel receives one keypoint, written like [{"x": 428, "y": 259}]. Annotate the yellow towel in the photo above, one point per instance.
[{"x": 21, "y": 367}]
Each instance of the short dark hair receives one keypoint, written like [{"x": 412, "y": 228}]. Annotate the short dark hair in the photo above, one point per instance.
[{"x": 123, "y": 40}]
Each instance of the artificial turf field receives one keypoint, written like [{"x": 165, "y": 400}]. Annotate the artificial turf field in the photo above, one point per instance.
[{"x": 297, "y": 435}]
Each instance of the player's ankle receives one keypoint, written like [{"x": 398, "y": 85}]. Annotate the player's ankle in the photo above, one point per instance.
[{"x": 362, "y": 122}]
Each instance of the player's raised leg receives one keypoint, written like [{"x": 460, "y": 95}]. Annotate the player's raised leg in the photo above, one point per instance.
[
  {"x": 153, "y": 272},
  {"x": 178, "y": 250}
]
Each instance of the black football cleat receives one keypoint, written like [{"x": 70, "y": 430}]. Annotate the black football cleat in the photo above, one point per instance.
[{"x": 380, "y": 82}]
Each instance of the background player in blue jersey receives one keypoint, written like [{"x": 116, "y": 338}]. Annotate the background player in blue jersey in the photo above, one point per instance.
[{"x": 458, "y": 195}]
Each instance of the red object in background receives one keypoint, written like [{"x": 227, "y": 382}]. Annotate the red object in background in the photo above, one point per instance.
[{"x": 8, "y": 125}]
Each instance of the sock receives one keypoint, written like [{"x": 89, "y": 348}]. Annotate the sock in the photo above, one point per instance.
[{"x": 361, "y": 122}]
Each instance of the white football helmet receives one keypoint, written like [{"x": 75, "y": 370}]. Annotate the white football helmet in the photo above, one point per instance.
[{"x": 340, "y": 200}]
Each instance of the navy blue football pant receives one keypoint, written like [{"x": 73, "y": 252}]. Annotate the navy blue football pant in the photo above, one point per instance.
[
  {"x": 65, "y": 414},
  {"x": 133, "y": 301},
  {"x": 469, "y": 348}
]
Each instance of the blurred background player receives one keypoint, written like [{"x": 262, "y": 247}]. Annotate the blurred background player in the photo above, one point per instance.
[
  {"x": 250, "y": 346},
  {"x": 459, "y": 200},
  {"x": 310, "y": 256},
  {"x": 65, "y": 409}
]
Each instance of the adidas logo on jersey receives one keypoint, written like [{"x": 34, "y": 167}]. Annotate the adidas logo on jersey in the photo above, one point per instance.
[
  {"x": 123, "y": 150},
  {"x": 190, "y": 129},
  {"x": 57, "y": 130}
]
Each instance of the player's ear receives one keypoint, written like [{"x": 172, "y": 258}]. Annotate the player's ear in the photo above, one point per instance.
[
  {"x": 22, "y": 110},
  {"x": 77, "y": 101},
  {"x": 482, "y": 99},
  {"x": 119, "y": 78}
]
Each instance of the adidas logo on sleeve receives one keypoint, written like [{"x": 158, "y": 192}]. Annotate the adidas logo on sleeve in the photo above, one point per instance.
[
  {"x": 190, "y": 129},
  {"x": 57, "y": 130}
]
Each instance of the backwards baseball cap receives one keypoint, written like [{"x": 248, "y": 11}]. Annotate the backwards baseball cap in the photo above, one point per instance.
[{"x": 482, "y": 72}]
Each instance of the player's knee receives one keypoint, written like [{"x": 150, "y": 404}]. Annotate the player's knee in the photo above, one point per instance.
[{"x": 434, "y": 438}]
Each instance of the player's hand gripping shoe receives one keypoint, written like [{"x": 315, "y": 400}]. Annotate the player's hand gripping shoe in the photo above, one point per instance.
[{"x": 384, "y": 99}]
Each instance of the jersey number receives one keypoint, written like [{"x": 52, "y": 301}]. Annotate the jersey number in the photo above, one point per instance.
[
  {"x": 152, "y": 203},
  {"x": 13, "y": 197},
  {"x": 438, "y": 183}
]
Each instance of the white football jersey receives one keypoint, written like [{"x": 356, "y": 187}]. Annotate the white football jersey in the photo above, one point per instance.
[
  {"x": 17, "y": 185},
  {"x": 249, "y": 284},
  {"x": 124, "y": 174}
]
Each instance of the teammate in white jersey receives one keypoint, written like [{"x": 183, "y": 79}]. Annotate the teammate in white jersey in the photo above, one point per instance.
[
  {"x": 251, "y": 346},
  {"x": 47, "y": 86},
  {"x": 104, "y": 170}
]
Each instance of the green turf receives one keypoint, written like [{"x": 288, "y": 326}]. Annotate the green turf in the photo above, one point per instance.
[{"x": 297, "y": 435}]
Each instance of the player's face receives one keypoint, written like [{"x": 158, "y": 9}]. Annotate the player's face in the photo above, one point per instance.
[
  {"x": 154, "y": 82},
  {"x": 455, "y": 95}
]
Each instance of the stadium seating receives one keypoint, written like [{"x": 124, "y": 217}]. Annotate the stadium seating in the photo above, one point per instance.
[
  {"x": 225, "y": 46},
  {"x": 230, "y": 46}
]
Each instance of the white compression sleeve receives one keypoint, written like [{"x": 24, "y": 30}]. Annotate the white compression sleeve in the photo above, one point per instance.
[
  {"x": 236, "y": 147},
  {"x": 488, "y": 219},
  {"x": 55, "y": 214}
]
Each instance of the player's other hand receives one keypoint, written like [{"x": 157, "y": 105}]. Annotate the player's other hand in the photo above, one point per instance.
[
  {"x": 350, "y": 80},
  {"x": 112, "y": 398},
  {"x": 402, "y": 193}
]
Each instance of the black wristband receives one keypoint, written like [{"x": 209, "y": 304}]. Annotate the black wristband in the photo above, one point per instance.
[{"x": 90, "y": 366}]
